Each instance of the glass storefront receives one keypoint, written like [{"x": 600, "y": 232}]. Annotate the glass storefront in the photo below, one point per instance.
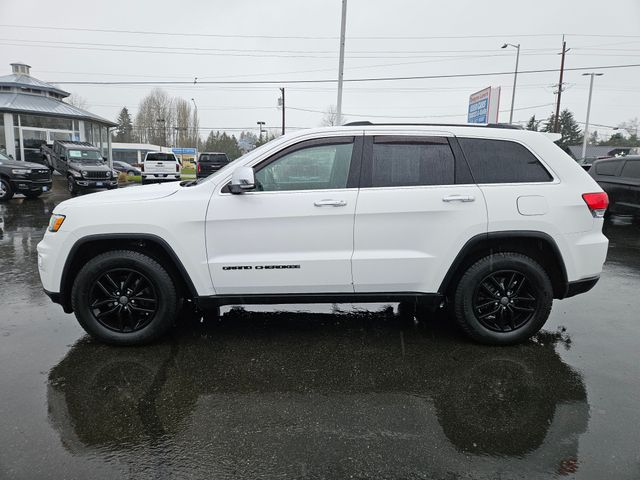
[{"x": 3, "y": 139}]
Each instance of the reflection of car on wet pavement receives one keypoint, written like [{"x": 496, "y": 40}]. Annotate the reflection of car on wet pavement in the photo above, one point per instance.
[
  {"x": 620, "y": 178},
  {"x": 363, "y": 394},
  {"x": 494, "y": 235},
  {"x": 28, "y": 179}
]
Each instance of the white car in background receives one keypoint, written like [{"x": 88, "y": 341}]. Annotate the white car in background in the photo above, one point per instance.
[{"x": 160, "y": 167}]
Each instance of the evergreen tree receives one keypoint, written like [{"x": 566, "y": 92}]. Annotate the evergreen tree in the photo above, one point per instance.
[
  {"x": 569, "y": 129},
  {"x": 221, "y": 142},
  {"x": 124, "y": 129},
  {"x": 533, "y": 124}
]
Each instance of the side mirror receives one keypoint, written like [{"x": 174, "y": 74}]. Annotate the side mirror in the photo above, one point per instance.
[{"x": 242, "y": 179}]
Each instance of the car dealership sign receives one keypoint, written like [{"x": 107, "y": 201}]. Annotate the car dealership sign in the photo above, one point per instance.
[{"x": 484, "y": 105}]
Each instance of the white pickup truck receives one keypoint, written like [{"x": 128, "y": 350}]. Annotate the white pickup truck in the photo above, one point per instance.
[{"x": 160, "y": 167}]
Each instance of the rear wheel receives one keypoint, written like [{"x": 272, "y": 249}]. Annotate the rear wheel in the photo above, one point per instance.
[
  {"x": 503, "y": 299},
  {"x": 6, "y": 191},
  {"x": 123, "y": 297}
]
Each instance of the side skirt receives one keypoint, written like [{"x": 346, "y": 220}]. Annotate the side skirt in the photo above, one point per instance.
[{"x": 429, "y": 299}]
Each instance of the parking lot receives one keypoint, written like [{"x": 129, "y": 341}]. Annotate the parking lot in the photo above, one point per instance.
[{"x": 326, "y": 392}]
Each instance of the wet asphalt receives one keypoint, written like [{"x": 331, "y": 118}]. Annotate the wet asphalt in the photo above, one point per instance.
[{"x": 332, "y": 392}]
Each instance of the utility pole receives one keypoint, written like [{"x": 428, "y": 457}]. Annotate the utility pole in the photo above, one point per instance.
[
  {"x": 260, "y": 124},
  {"x": 586, "y": 124},
  {"x": 556, "y": 125},
  {"x": 343, "y": 27},
  {"x": 282, "y": 105}
]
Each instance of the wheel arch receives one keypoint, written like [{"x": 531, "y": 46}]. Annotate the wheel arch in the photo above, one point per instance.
[
  {"x": 147, "y": 244},
  {"x": 539, "y": 246}
]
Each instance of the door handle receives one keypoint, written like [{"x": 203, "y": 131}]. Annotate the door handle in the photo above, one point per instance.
[
  {"x": 330, "y": 203},
  {"x": 459, "y": 198}
]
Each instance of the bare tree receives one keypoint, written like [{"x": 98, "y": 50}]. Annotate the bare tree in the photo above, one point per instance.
[
  {"x": 77, "y": 101},
  {"x": 155, "y": 118},
  {"x": 331, "y": 117}
]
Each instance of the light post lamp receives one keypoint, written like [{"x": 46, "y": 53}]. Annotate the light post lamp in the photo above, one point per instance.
[
  {"x": 515, "y": 77},
  {"x": 260, "y": 124},
  {"x": 586, "y": 123}
]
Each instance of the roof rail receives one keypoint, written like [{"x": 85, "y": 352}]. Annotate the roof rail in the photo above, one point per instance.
[{"x": 511, "y": 126}]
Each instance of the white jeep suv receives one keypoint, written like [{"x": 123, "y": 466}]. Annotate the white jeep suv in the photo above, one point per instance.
[{"x": 492, "y": 223}]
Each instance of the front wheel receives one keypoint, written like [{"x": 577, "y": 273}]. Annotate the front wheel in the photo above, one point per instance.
[
  {"x": 124, "y": 297},
  {"x": 503, "y": 299},
  {"x": 6, "y": 191},
  {"x": 71, "y": 185}
]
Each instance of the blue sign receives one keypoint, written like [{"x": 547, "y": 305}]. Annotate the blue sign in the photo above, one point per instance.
[
  {"x": 478, "y": 111},
  {"x": 184, "y": 151}
]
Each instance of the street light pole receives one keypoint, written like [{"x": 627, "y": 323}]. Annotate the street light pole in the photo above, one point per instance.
[
  {"x": 343, "y": 26},
  {"x": 260, "y": 124},
  {"x": 283, "y": 105},
  {"x": 586, "y": 124},
  {"x": 515, "y": 77}
]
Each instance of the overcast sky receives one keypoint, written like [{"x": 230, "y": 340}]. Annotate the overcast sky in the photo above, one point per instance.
[{"x": 399, "y": 42}]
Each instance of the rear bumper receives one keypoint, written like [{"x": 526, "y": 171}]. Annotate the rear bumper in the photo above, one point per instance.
[
  {"x": 164, "y": 177},
  {"x": 580, "y": 286}
]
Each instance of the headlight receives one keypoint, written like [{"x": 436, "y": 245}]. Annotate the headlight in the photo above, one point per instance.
[
  {"x": 21, "y": 171},
  {"x": 55, "y": 222},
  {"x": 85, "y": 173},
  {"x": 75, "y": 173}
]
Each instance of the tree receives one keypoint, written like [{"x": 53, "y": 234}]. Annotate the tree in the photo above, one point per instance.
[
  {"x": 266, "y": 138},
  {"x": 124, "y": 129},
  {"x": 221, "y": 142},
  {"x": 155, "y": 118},
  {"x": 569, "y": 129},
  {"x": 533, "y": 124},
  {"x": 331, "y": 119},
  {"x": 593, "y": 138},
  {"x": 77, "y": 101}
]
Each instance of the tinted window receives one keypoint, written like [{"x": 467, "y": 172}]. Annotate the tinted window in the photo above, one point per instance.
[
  {"x": 311, "y": 168},
  {"x": 214, "y": 157},
  {"x": 608, "y": 168},
  {"x": 631, "y": 169},
  {"x": 502, "y": 161},
  {"x": 160, "y": 157},
  {"x": 398, "y": 163}
]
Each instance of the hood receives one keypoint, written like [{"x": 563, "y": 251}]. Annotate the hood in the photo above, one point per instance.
[
  {"x": 133, "y": 194},
  {"x": 19, "y": 164}
]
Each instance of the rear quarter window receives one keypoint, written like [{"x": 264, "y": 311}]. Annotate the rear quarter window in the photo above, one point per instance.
[
  {"x": 502, "y": 161},
  {"x": 609, "y": 167},
  {"x": 631, "y": 169}
]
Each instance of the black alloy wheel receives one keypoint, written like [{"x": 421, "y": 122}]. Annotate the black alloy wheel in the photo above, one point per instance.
[
  {"x": 6, "y": 192},
  {"x": 504, "y": 301},
  {"x": 123, "y": 300},
  {"x": 71, "y": 185}
]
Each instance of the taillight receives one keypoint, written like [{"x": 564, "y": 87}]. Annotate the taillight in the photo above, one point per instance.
[
  {"x": 198, "y": 168},
  {"x": 177, "y": 167},
  {"x": 597, "y": 203},
  {"x": 142, "y": 167}
]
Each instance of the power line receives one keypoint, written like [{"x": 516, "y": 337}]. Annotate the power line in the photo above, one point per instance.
[{"x": 332, "y": 80}]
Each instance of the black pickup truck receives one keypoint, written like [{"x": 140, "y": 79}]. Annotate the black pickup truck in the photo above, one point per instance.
[
  {"x": 27, "y": 178},
  {"x": 82, "y": 164}
]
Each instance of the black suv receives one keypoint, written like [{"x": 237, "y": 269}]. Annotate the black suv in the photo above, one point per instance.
[
  {"x": 620, "y": 178},
  {"x": 82, "y": 164},
  {"x": 30, "y": 179},
  {"x": 210, "y": 162}
]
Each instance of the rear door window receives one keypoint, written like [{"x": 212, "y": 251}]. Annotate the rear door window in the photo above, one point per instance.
[
  {"x": 631, "y": 169},
  {"x": 411, "y": 161},
  {"x": 214, "y": 158},
  {"x": 502, "y": 161},
  {"x": 160, "y": 157}
]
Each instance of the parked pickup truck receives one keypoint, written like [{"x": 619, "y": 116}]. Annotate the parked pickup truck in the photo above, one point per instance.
[
  {"x": 27, "y": 178},
  {"x": 82, "y": 164}
]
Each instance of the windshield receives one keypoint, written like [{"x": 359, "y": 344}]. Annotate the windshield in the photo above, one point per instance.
[
  {"x": 85, "y": 156},
  {"x": 4, "y": 158}
]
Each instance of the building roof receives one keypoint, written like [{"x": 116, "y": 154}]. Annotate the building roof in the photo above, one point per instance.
[
  {"x": 27, "y": 81},
  {"x": 41, "y": 105}
]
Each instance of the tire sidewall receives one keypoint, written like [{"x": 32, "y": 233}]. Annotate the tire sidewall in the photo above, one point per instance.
[
  {"x": 466, "y": 289},
  {"x": 9, "y": 191},
  {"x": 159, "y": 278}
]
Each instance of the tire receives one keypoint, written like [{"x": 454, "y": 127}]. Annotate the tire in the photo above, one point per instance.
[
  {"x": 32, "y": 194},
  {"x": 503, "y": 299},
  {"x": 6, "y": 191},
  {"x": 141, "y": 314},
  {"x": 71, "y": 185},
  {"x": 131, "y": 173}
]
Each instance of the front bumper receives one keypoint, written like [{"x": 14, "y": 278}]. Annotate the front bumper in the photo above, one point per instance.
[
  {"x": 20, "y": 185},
  {"x": 85, "y": 183}
]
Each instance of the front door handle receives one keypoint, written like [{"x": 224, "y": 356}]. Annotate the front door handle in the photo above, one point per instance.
[
  {"x": 459, "y": 198},
  {"x": 330, "y": 203}
]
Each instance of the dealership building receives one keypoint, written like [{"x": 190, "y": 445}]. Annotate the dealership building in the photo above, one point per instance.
[{"x": 33, "y": 112}]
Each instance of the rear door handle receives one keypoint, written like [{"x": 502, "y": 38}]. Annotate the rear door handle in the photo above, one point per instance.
[
  {"x": 459, "y": 198},
  {"x": 330, "y": 203}
]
